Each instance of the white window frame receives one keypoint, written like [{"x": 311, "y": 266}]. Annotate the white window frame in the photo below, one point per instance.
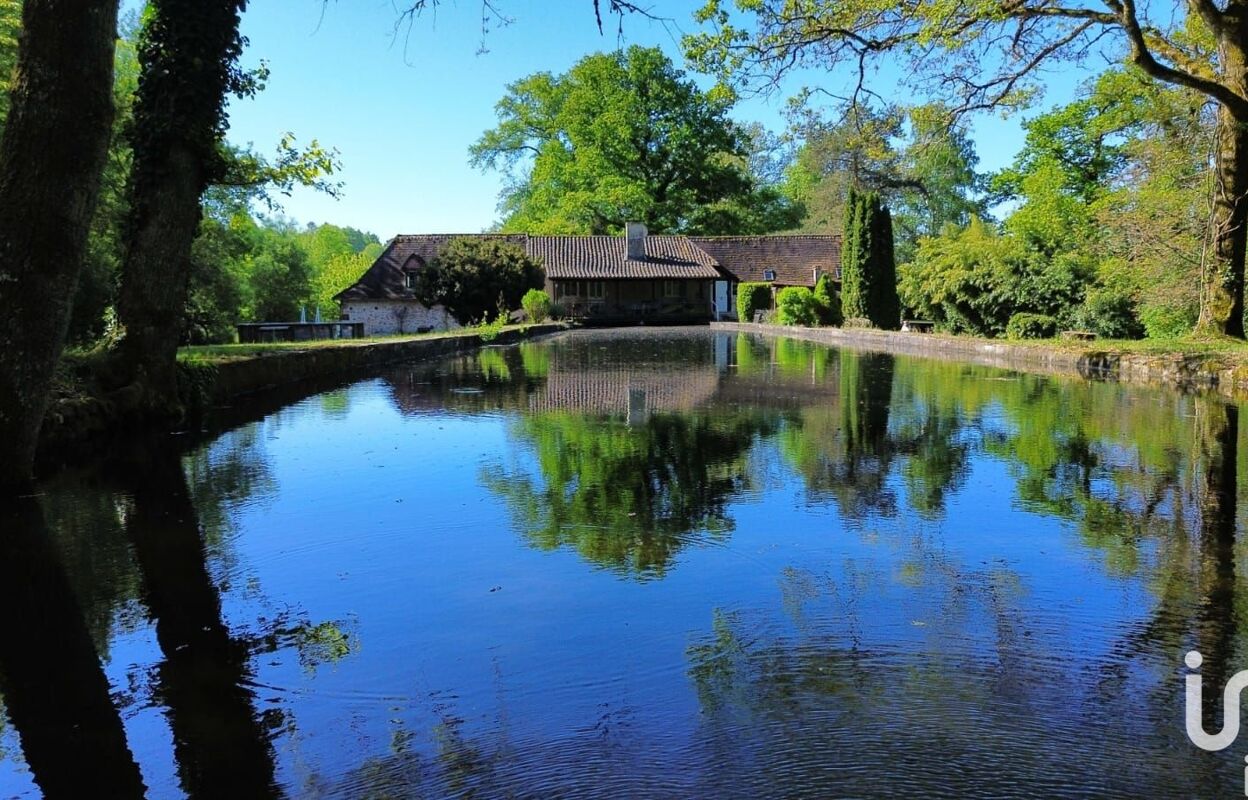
[
  {"x": 769, "y": 274},
  {"x": 409, "y": 280}
]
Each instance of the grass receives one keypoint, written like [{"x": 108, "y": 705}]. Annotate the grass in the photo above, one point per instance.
[{"x": 221, "y": 353}]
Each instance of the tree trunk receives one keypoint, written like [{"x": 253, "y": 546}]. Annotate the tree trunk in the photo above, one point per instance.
[
  {"x": 155, "y": 277},
  {"x": 1222, "y": 296},
  {"x": 52, "y": 157},
  {"x": 188, "y": 54}
]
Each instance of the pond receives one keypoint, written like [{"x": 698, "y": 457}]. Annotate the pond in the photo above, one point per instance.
[{"x": 652, "y": 563}]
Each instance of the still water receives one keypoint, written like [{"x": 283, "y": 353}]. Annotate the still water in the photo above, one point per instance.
[{"x": 639, "y": 563}]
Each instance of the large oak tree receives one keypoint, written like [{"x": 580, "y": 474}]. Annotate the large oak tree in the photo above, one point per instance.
[
  {"x": 622, "y": 137},
  {"x": 988, "y": 54}
]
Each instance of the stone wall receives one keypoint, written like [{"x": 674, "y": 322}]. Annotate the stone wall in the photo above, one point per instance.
[
  {"x": 384, "y": 317},
  {"x": 1211, "y": 372}
]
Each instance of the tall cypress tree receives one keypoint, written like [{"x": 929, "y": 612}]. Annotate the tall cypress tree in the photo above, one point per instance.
[
  {"x": 854, "y": 284},
  {"x": 884, "y": 307}
]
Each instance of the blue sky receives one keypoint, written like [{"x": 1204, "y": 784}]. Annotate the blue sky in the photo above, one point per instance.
[{"x": 402, "y": 109}]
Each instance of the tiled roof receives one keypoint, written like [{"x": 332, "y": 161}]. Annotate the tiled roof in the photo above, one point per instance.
[
  {"x": 793, "y": 257},
  {"x": 606, "y": 257}
]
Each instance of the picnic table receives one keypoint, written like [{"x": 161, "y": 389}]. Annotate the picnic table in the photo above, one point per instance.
[{"x": 917, "y": 325}]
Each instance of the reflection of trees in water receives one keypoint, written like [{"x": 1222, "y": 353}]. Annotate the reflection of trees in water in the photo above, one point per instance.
[
  {"x": 132, "y": 542},
  {"x": 56, "y": 694},
  {"x": 628, "y": 497},
  {"x": 843, "y": 451}
]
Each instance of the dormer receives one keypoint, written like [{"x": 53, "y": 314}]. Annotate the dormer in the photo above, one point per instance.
[{"x": 411, "y": 272}]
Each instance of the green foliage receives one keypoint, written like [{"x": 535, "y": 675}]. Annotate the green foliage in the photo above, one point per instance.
[
  {"x": 1166, "y": 322},
  {"x": 623, "y": 137},
  {"x": 797, "y": 305},
  {"x": 536, "y": 305},
  {"x": 489, "y": 330},
  {"x": 752, "y": 297},
  {"x": 855, "y": 247},
  {"x": 10, "y": 29},
  {"x": 868, "y": 264},
  {"x": 829, "y": 299},
  {"x": 473, "y": 278},
  {"x": 1108, "y": 314},
  {"x": 1030, "y": 326},
  {"x": 919, "y": 159},
  {"x": 279, "y": 278},
  {"x": 974, "y": 280}
]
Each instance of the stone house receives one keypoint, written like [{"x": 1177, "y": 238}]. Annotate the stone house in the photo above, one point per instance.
[{"x": 663, "y": 279}]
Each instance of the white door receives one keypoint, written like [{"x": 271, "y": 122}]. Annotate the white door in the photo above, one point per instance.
[{"x": 721, "y": 298}]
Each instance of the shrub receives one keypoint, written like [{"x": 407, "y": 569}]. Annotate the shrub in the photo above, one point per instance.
[
  {"x": 536, "y": 305},
  {"x": 1030, "y": 326},
  {"x": 1167, "y": 321},
  {"x": 796, "y": 305},
  {"x": 752, "y": 297},
  {"x": 1109, "y": 314},
  {"x": 857, "y": 322},
  {"x": 829, "y": 299}
]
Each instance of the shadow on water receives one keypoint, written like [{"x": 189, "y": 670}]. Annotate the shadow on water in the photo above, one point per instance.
[
  {"x": 221, "y": 748},
  {"x": 54, "y": 689}
]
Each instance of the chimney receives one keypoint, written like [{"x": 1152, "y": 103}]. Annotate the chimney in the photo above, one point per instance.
[{"x": 636, "y": 233}]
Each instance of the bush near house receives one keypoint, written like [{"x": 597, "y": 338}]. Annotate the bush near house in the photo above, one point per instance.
[
  {"x": 1030, "y": 326},
  {"x": 829, "y": 299},
  {"x": 752, "y": 297},
  {"x": 797, "y": 305},
  {"x": 475, "y": 279},
  {"x": 536, "y": 305}
]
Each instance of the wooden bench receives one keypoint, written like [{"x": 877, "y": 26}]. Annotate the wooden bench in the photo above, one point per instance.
[
  {"x": 917, "y": 325},
  {"x": 1086, "y": 336}
]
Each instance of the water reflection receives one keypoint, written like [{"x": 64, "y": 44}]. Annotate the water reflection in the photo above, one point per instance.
[
  {"x": 55, "y": 694},
  {"x": 667, "y": 563}
]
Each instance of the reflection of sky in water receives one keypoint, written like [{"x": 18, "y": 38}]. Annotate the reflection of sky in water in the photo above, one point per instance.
[{"x": 981, "y": 648}]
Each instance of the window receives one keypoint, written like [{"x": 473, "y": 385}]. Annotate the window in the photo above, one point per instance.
[
  {"x": 409, "y": 280},
  {"x": 596, "y": 290},
  {"x": 671, "y": 289},
  {"x": 769, "y": 274}
]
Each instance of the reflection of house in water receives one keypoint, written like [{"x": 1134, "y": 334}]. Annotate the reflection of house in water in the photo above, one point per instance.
[{"x": 634, "y": 393}]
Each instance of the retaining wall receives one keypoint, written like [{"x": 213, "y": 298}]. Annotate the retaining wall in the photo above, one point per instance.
[{"x": 1209, "y": 372}]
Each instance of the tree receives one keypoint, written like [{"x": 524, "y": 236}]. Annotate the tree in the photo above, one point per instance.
[
  {"x": 188, "y": 52},
  {"x": 477, "y": 278},
  {"x": 855, "y": 251},
  {"x": 621, "y": 137},
  {"x": 990, "y": 55},
  {"x": 52, "y": 155},
  {"x": 868, "y": 265},
  {"x": 920, "y": 161}
]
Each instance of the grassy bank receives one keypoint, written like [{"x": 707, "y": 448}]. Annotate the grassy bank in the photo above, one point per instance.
[{"x": 223, "y": 353}]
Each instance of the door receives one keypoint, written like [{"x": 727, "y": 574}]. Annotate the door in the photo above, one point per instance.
[{"x": 721, "y": 298}]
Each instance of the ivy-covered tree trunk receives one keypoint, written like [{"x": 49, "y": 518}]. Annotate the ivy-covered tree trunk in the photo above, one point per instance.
[
  {"x": 187, "y": 53},
  {"x": 52, "y": 155},
  {"x": 1222, "y": 301}
]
